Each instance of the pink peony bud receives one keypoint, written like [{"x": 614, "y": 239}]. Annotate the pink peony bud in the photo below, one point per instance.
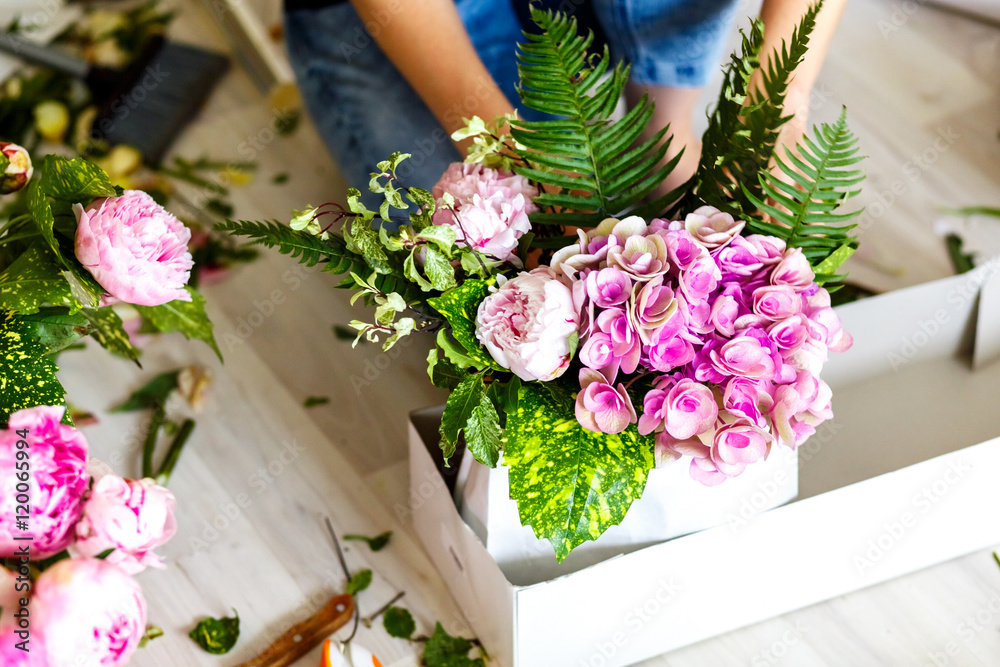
[
  {"x": 18, "y": 172},
  {"x": 601, "y": 407},
  {"x": 86, "y": 611},
  {"x": 58, "y": 480},
  {"x": 527, "y": 323},
  {"x": 134, "y": 248},
  {"x": 133, "y": 517},
  {"x": 712, "y": 227}
]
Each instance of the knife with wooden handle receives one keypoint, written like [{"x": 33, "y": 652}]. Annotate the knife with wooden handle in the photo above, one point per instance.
[{"x": 306, "y": 635}]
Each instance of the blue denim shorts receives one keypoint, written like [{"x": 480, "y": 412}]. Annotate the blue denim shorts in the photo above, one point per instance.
[{"x": 364, "y": 109}]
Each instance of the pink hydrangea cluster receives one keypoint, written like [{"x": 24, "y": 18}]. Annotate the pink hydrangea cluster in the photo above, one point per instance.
[
  {"x": 733, "y": 329},
  {"x": 491, "y": 207}
]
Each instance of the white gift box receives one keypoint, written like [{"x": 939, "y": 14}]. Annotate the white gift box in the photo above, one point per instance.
[
  {"x": 671, "y": 505},
  {"x": 899, "y": 480}
]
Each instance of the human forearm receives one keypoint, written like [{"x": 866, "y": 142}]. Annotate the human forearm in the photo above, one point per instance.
[{"x": 428, "y": 44}]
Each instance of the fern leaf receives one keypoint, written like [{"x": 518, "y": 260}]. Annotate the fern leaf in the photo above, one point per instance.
[
  {"x": 743, "y": 128},
  {"x": 803, "y": 216},
  {"x": 308, "y": 249},
  {"x": 592, "y": 167}
]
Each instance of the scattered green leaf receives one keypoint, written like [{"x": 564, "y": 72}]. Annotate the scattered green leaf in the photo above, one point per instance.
[
  {"x": 398, "y": 622},
  {"x": 376, "y": 543},
  {"x": 359, "y": 582},
  {"x": 217, "y": 635},
  {"x": 443, "y": 650},
  {"x": 153, "y": 394},
  {"x": 313, "y": 401}
]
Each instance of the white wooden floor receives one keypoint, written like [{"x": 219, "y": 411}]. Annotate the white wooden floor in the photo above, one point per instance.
[{"x": 923, "y": 94}]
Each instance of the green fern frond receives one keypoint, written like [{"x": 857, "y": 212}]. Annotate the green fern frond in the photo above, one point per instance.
[
  {"x": 802, "y": 212},
  {"x": 743, "y": 128},
  {"x": 592, "y": 166},
  {"x": 307, "y": 248}
]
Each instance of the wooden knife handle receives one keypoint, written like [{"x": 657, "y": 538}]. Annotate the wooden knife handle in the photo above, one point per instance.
[{"x": 286, "y": 649}]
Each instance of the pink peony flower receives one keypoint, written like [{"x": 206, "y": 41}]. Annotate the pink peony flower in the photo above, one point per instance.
[
  {"x": 712, "y": 227},
  {"x": 18, "y": 171},
  {"x": 527, "y": 323},
  {"x": 134, "y": 248},
  {"x": 11, "y": 655},
  {"x": 87, "y": 611},
  {"x": 133, "y": 517},
  {"x": 601, "y": 407},
  {"x": 491, "y": 207},
  {"x": 57, "y": 481}
]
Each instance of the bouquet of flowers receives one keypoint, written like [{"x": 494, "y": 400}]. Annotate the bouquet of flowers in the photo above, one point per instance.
[
  {"x": 72, "y": 249},
  {"x": 72, "y": 534},
  {"x": 586, "y": 329}
]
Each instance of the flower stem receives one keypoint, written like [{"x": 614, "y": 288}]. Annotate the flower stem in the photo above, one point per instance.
[
  {"x": 15, "y": 221},
  {"x": 174, "y": 453},
  {"x": 159, "y": 416},
  {"x": 381, "y": 610},
  {"x": 18, "y": 237}
]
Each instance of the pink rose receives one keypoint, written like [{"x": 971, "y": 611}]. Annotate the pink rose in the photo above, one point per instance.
[
  {"x": 744, "y": 356},
  {"x": 725, "y": 311},
  {"x": 87, "y": 611},
  {"x": 793, "y": 270},
  {"x": 133, "y": 517},
  {"x": 608, "y": 287},
  {"x": 58, "y": 480},
  {"x": 491, "y": 208},
  {"x": 600, "y": 407},
  {"x": 625, "y": 342},
  {"x": 18, "y": 171},
  {"x": 738, "y": 260},
  {"x": 134, "y": 248},
  {"x": 643, "y": 257},
  {"x": 686, "y": 410},
  {"x": 712, "y": 227},
  {"x": 668, "y": 353},
  {"x": 700, "y": 279},
  {"x": 768, "y": 249},
  {"x": 776, "y": 302},
  {"x": 527, "y": 323},
  {"x": 747, "y": 399},
  {"x": 668, "y": 449},
  {"x": 654, "y": 308},
  {"x": 737, "y": 445},
  {"x": 682, "y": 248}
]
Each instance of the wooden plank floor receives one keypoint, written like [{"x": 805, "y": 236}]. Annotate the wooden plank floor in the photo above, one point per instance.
[{"x": 923, "y": 96}]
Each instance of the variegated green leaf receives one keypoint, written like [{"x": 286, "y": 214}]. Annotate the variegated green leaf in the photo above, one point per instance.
[
  {"x": 76, "y": 180},
  {"x": 459, "y": 307},
  {"x": 35, "y": 279},
  {"x": 187, "y": 317},
  {"x": 41, "y": 213},
  {"x": 110, "y": 333},
  {"x": 570, "y": 484},
  {"x": 27, "y": 373},
  {"x": 58, "y": 328}
]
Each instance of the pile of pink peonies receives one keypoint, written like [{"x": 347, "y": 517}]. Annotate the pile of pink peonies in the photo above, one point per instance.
[{"x": 86, "y": 608}]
